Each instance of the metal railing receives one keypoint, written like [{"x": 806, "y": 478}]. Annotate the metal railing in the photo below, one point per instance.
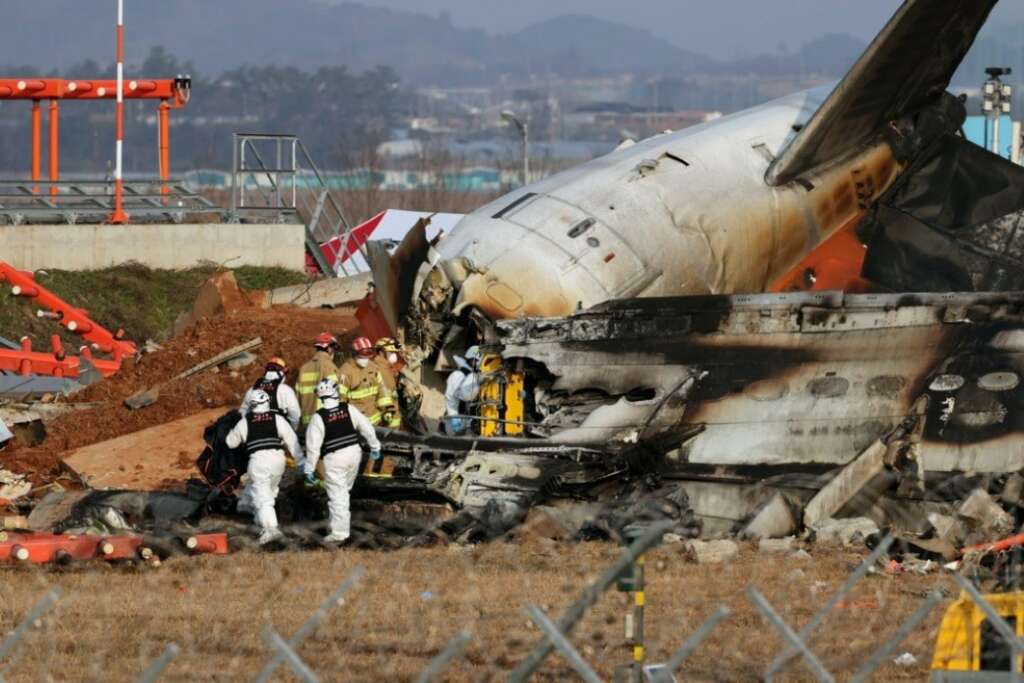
[
  {"x": 92, "y": 201},
  {"x": 275, "y": 174}
]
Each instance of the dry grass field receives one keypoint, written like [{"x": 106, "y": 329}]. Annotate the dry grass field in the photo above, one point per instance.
[{"x": 112, "y": 621}]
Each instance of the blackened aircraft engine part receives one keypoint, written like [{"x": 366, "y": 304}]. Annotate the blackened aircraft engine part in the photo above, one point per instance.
[{"x": 953, "y": 222}]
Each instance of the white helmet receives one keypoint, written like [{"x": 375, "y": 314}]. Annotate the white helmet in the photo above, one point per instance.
[
  {"x": 327, "y": 388},
  {"x": 259, "y": 399}
]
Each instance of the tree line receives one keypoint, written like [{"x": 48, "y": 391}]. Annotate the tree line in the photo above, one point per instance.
[{"x": 338, "y": 113}]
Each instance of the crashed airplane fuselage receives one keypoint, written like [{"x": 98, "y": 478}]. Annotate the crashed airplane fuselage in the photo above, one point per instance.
[
  {"x": 623, "y": 298},
  {"x": 724, "y": 207},
  {"x": 682, "y": 213}
]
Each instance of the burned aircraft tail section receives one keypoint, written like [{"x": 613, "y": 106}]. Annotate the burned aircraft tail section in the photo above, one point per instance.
[
  {"x": 905, "y": 70},
  {"x": 953, "y": 222}
]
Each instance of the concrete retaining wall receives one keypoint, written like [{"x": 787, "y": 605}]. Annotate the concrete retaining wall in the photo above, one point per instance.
[{"x": 89, "y": 247}]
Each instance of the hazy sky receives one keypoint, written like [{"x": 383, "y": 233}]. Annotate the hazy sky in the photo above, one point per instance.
[{"x": 719, "y": 28}]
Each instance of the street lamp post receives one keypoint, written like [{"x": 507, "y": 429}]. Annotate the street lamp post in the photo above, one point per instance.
[
  {"x": 524, "y": 133},
  {"x": 996, "y": 100}
]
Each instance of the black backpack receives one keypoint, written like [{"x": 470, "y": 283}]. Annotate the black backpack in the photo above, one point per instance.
[{"x": 222, "y": 467}]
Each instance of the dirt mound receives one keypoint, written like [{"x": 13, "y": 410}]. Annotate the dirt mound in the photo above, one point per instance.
[{"x": 286, "y": 332}]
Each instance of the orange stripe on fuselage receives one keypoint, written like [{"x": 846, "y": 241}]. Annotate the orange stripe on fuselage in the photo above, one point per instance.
[{"x": 834, "y": 264}]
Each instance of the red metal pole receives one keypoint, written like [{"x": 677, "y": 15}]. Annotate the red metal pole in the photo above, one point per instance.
[
  {"x": 54, "y": 146},
  {"x": 164, "y": 143},
  {"x": 37, "y": 125},
  {"x": 119, "y": 216}
]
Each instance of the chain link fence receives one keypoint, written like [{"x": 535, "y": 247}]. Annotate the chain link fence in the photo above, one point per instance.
[{"x": 264, "y": 617}]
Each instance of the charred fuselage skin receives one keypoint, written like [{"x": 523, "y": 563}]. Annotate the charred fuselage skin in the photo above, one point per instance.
[
  {"x": 681, "y": 213},
  {"x": 790, "y": 379}
]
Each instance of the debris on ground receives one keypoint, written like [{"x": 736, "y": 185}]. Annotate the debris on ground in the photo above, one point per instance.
[
  {"x": 845, "y": 531},
  {"x": 139, "y": 475},
  {"x": 775, "y": 519},
  {"x": 44, "y": 548},
  {"x": 713, "y": 552},
  {"x": 12, "y": 487},
  {"x": 219, "y": 295},
  {"x": 776, "y": 545},
  {"x": 984, "y": 517},
  {"x": 905, "y": 659}
]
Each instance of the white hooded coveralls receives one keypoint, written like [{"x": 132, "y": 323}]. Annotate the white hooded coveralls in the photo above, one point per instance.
[
  {"x": 266, "y": 467},
  {"x": 288, "y": 406},
  {"x": 340, "y": 466}
]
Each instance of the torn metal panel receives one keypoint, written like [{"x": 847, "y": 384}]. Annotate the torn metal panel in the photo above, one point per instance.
[
  {"x": 952, "y": 222},
  {"x": 34, "y": 385},
  {"x": 849, "y": 483}
]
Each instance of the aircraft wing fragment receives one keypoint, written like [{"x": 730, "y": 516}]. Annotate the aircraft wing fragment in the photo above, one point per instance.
[{"x": 907, "y": 66}]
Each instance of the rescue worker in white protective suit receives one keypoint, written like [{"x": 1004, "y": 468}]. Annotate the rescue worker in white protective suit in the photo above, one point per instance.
[
  {"x": 334, "y": 433},
  {"x": 283, "y": 401},
  {"x": 462, "y": 386},
  {"x": 265, "y": 435}
]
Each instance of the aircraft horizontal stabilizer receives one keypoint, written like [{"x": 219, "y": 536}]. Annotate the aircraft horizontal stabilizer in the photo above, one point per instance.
[{"x": 907, "y": 67}]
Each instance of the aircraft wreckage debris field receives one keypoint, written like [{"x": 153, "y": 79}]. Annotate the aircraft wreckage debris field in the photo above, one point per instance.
[
  {"x": 740, "y": 401},
  {"x": 111, "y": 623}
]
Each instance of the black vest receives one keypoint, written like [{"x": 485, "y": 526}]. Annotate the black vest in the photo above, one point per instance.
[
  {"x": 271, "y": 389},
  {"x": 263, "y": 434},
  {"x": 339, "y": 432}
]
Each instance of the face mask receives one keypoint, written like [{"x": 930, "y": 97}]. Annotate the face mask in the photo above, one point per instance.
[
  {"x": 362, "y": 362},
  {"x": 392, "y": 357},
  {"x": 272, "y": 375}
]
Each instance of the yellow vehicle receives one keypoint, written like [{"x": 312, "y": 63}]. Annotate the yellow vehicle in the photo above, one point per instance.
[{"x": 969, "y": 642}]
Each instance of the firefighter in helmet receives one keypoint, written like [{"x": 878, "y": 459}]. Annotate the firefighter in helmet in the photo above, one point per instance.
[
  {"x": 391, "y": 364},
  {"x": 320, "y": 367},
  {"x": 361, "y": 384}
]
